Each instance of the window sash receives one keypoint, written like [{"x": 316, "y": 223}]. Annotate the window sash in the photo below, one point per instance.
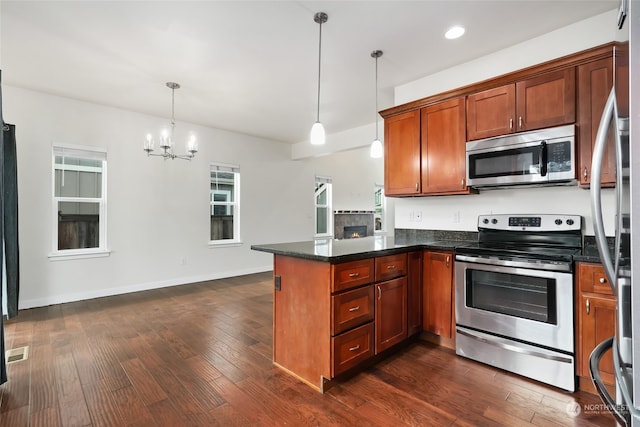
[
  {"x": 231, "y": 192},
  {"x": 84, "y": 153}
]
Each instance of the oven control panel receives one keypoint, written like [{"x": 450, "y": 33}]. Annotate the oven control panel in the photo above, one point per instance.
[{"x": 540, "y": 222}]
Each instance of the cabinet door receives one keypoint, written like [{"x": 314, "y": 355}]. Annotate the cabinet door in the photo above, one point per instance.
[
  {"x": 402, "y": 154},
  {"x": 596, "y": 322},
  {"x": 437, "y": 270},
  {"x": 391, "y": 313},
  {"x": 595, "y": 81},
  {"x": 414, "y": 292},
  {"x": 491, "y": 112},
  {"x": 443, "y": 147},
  {"x": 547, "y": 100}
]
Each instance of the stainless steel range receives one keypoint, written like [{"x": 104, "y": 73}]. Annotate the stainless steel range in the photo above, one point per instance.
[{"x": 514, "y": 296}]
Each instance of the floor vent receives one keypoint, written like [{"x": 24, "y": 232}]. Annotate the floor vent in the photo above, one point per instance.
[{"x": 17, "y": 354}]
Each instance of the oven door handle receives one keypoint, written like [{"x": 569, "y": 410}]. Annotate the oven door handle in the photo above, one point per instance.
[
  {"x": 514, "y": 264},
  {"x": 500, "y": 343}
]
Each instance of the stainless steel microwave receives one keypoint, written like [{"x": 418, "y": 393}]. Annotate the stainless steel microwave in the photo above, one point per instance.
[{"x": 536, "y": 157}]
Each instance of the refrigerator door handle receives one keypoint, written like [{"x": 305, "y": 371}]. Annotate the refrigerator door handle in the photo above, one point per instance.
[
  {"x": 594, "y": 361},
  {"x": 609, "y": 115}
]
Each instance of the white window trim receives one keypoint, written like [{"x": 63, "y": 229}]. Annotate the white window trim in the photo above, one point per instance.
[
  {"x": 85, "y": 152},
  {"x": 384, "y": 212},
  {"x": 237, "y": 240},
  {"x": 329, "y": 206}
]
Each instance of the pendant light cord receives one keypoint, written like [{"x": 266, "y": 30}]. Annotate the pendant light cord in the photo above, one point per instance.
[
  {"x": 377, "y": 96},
  {"x": 319, "y": 63}
]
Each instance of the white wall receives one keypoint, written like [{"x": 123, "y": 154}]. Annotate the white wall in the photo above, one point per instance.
[
  {"x": 442, "y": 212},
  {"x": 157, "y": 210}
]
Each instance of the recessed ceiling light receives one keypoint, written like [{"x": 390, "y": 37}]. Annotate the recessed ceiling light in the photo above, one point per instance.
[{"x": 454, "y": 32}]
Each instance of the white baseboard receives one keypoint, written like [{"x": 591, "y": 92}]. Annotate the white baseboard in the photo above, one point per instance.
[{"x": 80, "y": 296}]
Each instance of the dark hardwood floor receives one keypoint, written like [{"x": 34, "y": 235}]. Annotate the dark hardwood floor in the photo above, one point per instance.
[{"x": 200, "y": 355}]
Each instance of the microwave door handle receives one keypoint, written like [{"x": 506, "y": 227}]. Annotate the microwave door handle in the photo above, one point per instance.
[
  {"x": 543, "y": 158},
  {"x": 594, "y": 361},
  {"x": 596, "y": 202}
]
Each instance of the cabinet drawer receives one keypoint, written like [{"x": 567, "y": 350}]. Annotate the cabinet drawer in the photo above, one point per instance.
[
  {"x": 348, "y": 275},
  {"x": 351, "y": 309},
  {"x": 591, "y": 278},
  {"x": 390, "y": 266},
  {"x": 352, "y": 348}
]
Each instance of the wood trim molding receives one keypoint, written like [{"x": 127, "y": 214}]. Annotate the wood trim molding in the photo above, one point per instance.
[{"x": 603, "y": 51}]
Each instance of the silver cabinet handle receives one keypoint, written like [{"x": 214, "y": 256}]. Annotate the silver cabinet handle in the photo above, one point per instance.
[
  {"x": 356, "y": 308},
  {"x": 603, "y": 280},
  {"x": 462, "y": 183},
  {"x": 416, "y": 186},
  {"x": 520, "y": 122},
  {"x": 379, "y": 292},
  {"x": 354, "y": 274},
  {"x": 585, "y": 174},
  {"x": 391, "y": 267},
  {"x": 354, "y": 348},
  {"x": 511, "y": 123},
  {"x": 588, "y": 306},
  {"x": 448, "y": 260}
]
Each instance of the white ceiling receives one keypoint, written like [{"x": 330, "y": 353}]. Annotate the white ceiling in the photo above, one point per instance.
[{"x": 251, "y": 66}]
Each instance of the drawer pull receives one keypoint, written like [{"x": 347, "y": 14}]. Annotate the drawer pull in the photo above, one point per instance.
[
  {"x": 585, "y": 173},
  {"x": 354, "y": 348},
  {"x": 391, "y": 267},
  {"x": 520, "y": 121},
  {"x": 354, "y": 274},
  {"x": 603, "y": 280},
  {"x": 511, "y": 123},
  {"x": 588, "y": 306},
  {"x": 356, "y": 308}
]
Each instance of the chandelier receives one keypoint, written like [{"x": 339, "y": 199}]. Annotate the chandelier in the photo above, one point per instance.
[{"x": 167, "y": 135}]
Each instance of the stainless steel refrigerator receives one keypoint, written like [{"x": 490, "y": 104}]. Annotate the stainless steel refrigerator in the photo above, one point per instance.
[{"x": 620, "y": 258}]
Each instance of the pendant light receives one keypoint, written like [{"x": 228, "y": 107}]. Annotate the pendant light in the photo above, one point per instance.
[
  {"x": 317, "y": 135},
  {"x": 376, "y": 145}
]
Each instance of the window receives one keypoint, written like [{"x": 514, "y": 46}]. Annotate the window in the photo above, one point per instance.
[
  {"x": 79, "y": 200},
  {"x": 224, "y": 203},
  {"x": 379, "y": 204},
  {"x": 324, "y": 217}
]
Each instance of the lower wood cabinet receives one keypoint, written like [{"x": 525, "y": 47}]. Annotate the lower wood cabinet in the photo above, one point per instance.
[
  {"x": 595, "y": 310},
  {"x": 414, "y": 292},
  {"x": 391, "y": 313},
  {"x": 330, "y": 318},
  {"x": 352, "y": 348},
  {"x": 437, "y": 297}
]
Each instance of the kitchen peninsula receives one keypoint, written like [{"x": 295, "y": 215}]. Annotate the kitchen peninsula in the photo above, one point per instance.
[{"x": 342, "y": 304}]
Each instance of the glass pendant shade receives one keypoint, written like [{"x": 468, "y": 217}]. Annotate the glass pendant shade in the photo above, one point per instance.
[
  {"x": 317, "y": 136},
  {"x": 376, "y": 149}
]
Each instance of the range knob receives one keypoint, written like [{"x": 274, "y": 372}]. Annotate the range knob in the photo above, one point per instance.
[
  {"x": 559, "y": 221},
  {"x": 570, "y": 221},
  {"x": 485, "y": 221},
  {"x": 494, "y": 221}
]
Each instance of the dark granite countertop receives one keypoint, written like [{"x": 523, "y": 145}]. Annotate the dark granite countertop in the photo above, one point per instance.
[{"x": 335, "y": 251}]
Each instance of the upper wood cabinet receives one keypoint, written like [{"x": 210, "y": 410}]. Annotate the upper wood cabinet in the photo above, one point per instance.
[
  {"x": 443, "y": 143},
  {"x": 425, "y": 151},
  {"x": 402, "y": 154},
  {"x": 595, "y": 80},
  {"x": 539, "y": 102}
]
